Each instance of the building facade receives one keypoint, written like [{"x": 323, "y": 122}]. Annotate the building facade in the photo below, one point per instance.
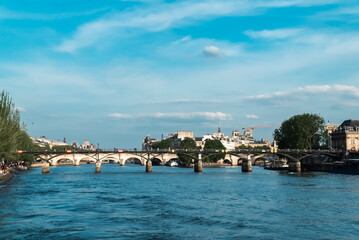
[{"x": 346, "y": 136}]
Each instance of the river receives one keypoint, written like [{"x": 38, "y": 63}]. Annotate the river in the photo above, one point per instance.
[{"x": 175, "y": 203}]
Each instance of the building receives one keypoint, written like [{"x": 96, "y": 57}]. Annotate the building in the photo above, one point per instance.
[
  {"x": 346, "y": 136},
  {"x": 44, "y": 142},
  {"x": 230, "y": 143},
  {"x": 179, "y": 136},
  {"x": 330, "y": 129},
  {"x": 87, "y": 146},
  {"x": 146, "y": 143}
]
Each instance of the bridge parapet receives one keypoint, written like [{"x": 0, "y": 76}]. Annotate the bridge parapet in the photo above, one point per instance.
[{"x": 165, "y": 155}]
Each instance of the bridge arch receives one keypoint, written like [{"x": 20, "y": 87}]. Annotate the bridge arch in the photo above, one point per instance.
[
  {"x": 87, "y": 159},
  {"x": 156, "y": 161},
  {"x": 55, "y": 160},
  {"x": 132, "y": 158},
  {"x": 227, "y": 161}
]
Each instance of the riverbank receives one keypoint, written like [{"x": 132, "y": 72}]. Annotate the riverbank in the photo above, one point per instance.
[{"x": 5, "y": 177}]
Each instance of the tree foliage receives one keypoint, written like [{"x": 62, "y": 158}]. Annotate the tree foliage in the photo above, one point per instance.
[
  {"x": 13, "y": 136},
  {"x": 186, "y": 159},
  {"x": 305, "y": 131},
  {"x": 62, "y": 148},
  {"x": 244, "y": 147},
  {"x": 163, "y": 144},
  {"x": 9, "y": 124},
  {"x": 214, "y": 145}
]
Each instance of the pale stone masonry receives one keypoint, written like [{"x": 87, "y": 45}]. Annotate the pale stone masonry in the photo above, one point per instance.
[{"x": 346, "y": 136}]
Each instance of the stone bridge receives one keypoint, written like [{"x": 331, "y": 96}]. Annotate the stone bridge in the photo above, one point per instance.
[
  {"x": 120, "y": 158},
  {"x": 146, "y": 158}
]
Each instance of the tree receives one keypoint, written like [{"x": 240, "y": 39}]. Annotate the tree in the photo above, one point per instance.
[
  {"x": 305, "y": 131},
  {"x": 13, "y": 136},
  {"x": 190, "y": 144},
  {"x": 163, "y": 144},
  {"x": 244, "y": 147},
  {"x": 10, "y": 129},
  {"x": 214, "y": 145},
  {"x": 62, "y": 148}
]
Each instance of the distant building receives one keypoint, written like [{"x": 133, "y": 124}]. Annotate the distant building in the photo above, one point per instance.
[
  {"x": 146, "y": 143},
  {"x": 87, "y": 146},
  {"x": 166, "y": 135},
  {"x": 179, "y": 136},
  {"x": 346, "y": 136},
  {"x": 44, "y": 142},
  {"x": 230, "y": 143},
  {"x": 330, "y": 129}
]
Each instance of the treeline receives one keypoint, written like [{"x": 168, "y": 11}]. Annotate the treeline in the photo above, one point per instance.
[
  {"x": 185, "y": 159},
  {"x": 245, "y": 147},
  {"x": 13, "y": 135},
  {"x": 303, "y": 131}
]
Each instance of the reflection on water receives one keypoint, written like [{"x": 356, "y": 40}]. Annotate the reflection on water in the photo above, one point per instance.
[{"x": 174, "y": 203}]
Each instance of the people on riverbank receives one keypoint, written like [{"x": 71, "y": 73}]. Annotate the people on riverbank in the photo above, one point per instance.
[{"x": 3, "y": 168}]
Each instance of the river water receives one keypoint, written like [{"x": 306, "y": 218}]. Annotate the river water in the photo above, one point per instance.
[{"x": 175, "y": 203}]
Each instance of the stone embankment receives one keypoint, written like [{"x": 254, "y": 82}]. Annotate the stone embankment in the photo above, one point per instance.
[{"x": 5, "y": 177}]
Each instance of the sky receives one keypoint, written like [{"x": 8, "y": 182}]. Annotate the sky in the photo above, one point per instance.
[{"x": 114, "y": 71}]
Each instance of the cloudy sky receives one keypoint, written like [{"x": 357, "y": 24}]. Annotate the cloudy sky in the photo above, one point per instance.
[{"x": 114, "y": 71}]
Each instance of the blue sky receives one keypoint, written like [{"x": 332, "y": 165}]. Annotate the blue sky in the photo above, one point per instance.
[{"x": 114, "y": 71}]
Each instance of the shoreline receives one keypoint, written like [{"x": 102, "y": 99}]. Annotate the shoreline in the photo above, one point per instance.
[{"x": 5, "y": 177}]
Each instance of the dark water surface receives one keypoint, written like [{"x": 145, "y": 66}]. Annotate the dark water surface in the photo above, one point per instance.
[{"x": 174, "y": 203}]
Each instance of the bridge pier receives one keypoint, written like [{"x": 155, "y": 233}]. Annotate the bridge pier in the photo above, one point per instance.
[
  {"x": 149, "y": 166},
  {"x": 122, "y": 163},
  {"x": 76, "y": 163},
  {"x": 198, "y": 165},
  {"x": 234, "y": 162},
  {"x": 98, "y": 167},
  {"x": 295, "y": 166},
  {"x": 45, "y": 167},
  {"x": 247, "y": 165}
]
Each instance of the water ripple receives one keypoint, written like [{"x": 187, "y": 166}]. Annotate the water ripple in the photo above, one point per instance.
[{"x": 174, "y": 203}]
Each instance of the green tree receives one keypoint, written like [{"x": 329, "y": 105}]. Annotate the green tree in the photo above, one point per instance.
[
  {"x": 190, "y": 144},
  {"x": 305, "y": 131},
  {"x": 244, "y": 147},
  {"x": 163, "y": 144},
  {"x": 62, "y": 148},
  {"x": 214, "y": 145},
  {"x": 13, "y": 136},
  {"x": 9, "y": 124}
]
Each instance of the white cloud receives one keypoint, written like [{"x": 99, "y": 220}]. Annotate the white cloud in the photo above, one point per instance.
[
  {"x": 275, "y": 33},
  {"x": 336, "y": 89},
  {"x": 176, "y": 115},
  {"x": 187, "y": 100},
  {"x": 14, "y": 15},
  {"x": 347, "y": 14},
  {"x": 166, "y": 15},
  {"x": 251, "y": 116},
  {"x": 184, "y": 39},
  {"x": 190, "y": 48},
  {"x": 120, "y": 115},
  {"x": 212, "y": 51}
]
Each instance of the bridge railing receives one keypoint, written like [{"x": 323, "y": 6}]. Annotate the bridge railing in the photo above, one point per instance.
[{"x": 175, "y": 151}]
